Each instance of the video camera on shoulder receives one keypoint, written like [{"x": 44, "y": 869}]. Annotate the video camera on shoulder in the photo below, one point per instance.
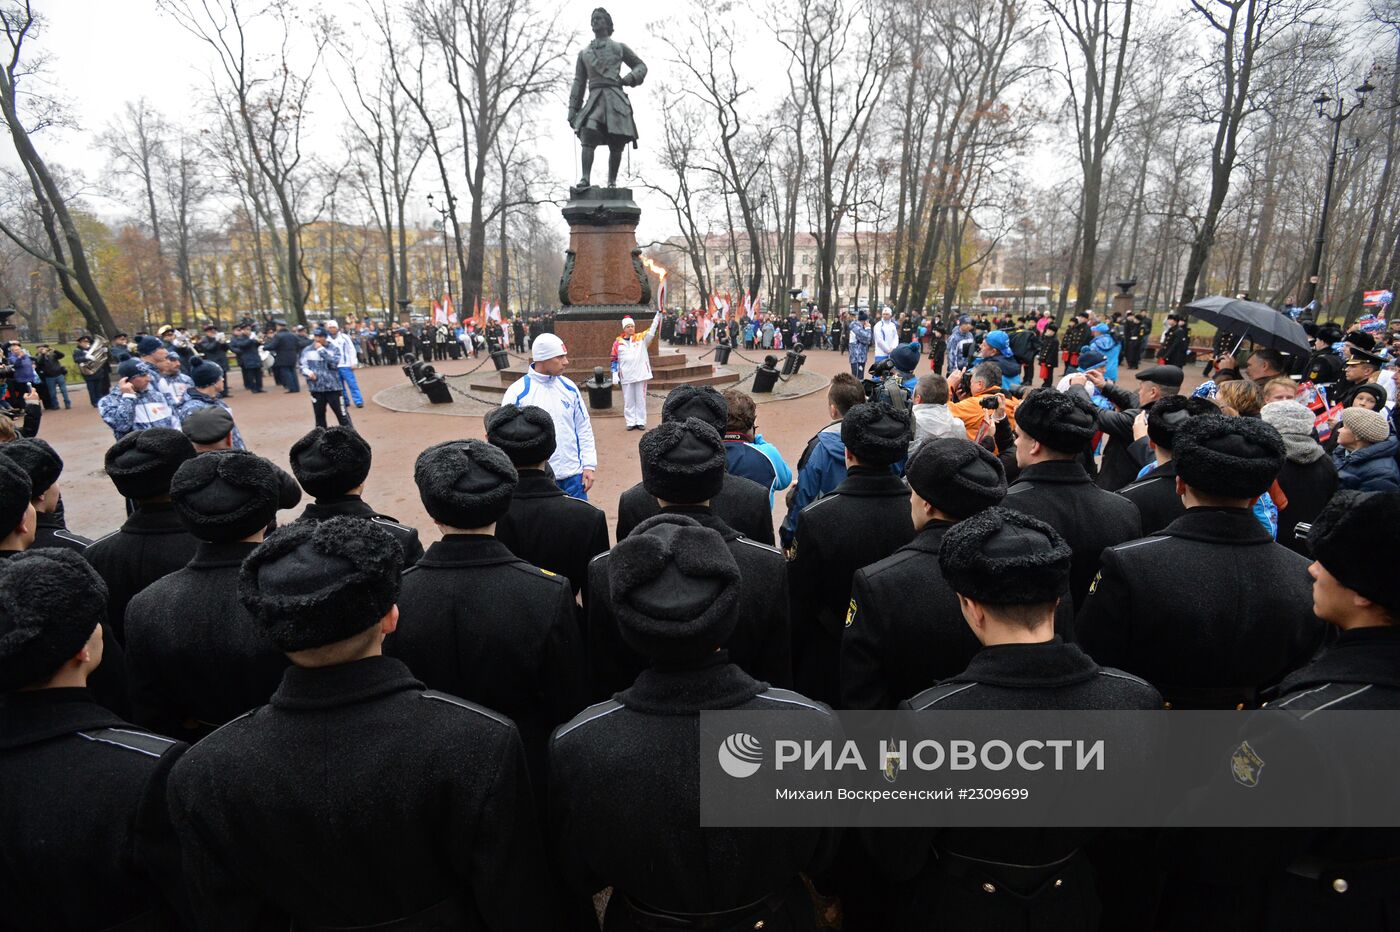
[{"x": 884, "y": 386}]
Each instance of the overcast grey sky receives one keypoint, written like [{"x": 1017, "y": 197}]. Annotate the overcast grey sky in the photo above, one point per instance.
[{"x": 107, "y": 52}]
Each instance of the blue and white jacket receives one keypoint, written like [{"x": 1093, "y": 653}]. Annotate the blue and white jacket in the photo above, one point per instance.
[
  {"x": 574, "y": 450},
  {"x": 324, "y": 362},
  {"x": 197, "y": 401},
  {"x": 137, "y": 411}
]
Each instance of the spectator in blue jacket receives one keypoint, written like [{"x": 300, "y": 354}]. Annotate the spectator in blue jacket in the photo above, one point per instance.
[
  {"x": 748, "y": 455},
  {"x": 1365, "y": 454},
  {"x": 822, "y": 466}
]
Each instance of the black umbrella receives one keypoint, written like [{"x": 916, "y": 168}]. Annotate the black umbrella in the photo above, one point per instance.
[{"x": 1250, "y": 320}]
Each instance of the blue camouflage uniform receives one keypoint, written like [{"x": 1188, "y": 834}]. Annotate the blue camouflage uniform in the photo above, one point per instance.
[
  {"x": 197, "y": 401},
  {"x": 138, "y": 411}
]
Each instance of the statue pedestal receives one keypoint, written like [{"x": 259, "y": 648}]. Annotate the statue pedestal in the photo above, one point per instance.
[{"x": 604, "y": 279}]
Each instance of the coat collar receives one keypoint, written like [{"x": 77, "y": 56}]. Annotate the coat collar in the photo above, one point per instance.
[
  {"x": 1050, "y": 663},
  {"x": 929, "y": 537},
  {"x": 153, "y": 518},
  {"x": 31, "y": 717},
  {"x": 686, "y": 689},
  {"x": 536, "y": 483},
  {"x": 343, "y": 684},
  {"x": 351, "y": 505},
  {"x": 705, "y": 516},
  {"x": 209, "y": 555},
  {"x": 1219, "y": 526},
  {"x": 1056, "y": 472},
  {"x": 467, "y": 550},
  {"x": 871, "y": 481},
  {"x": 48, "y": 519},
  {"x": 1361, "y": 655}
]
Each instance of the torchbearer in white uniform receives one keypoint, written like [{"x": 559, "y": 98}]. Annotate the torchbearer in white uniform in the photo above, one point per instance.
[{"x": 632, "y": 367}]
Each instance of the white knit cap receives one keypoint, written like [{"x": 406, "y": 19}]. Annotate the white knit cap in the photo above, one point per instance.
[
  {"x": 628, "y": 322},
  {"x": 546, "y": 346},
  {"x": 332, "y": 323}
]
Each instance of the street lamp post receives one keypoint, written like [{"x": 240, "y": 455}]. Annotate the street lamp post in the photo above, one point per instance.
[
  {"x": 442, "y": 225},
  {"x": 1336, "y": 117}
]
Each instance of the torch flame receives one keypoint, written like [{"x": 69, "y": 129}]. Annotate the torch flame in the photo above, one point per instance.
[{"x": 655, "y": 268}]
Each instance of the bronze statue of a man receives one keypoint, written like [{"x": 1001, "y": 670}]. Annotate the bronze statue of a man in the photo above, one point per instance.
[{"x": 606, "y": 118}]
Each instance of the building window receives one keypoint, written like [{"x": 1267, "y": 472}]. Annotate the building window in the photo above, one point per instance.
[{"x": 804, "y": 281}]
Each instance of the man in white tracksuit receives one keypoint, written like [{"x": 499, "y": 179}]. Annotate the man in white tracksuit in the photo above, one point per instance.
[
  {"x": 631, "y": 366},
  {"x": 545, "y": 386},
  {"x": 886, "y": 335},
  {"x": 349, "y": 359}
]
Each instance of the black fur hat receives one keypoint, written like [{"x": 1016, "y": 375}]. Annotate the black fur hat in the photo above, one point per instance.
[
  {"x": 1353, "y": 536},
  {"x": 465, "y": 483},
  {"x": 39, "y": 460},
  {"x": 1166, "y": 414},
  {"x": 1003, "y": 557},
  {"x": 674, "y": 587},
  {"x": 1063, "y": 422},
  {"x": 876, "y": 434},
  {"x": 331, "y": 461},
  {"x": 227, "y": 495},
  {"x": 699, "y": 401},
  {"x": 683, "y": 461},
  {"x": 50, "y": 600},
  {"x": 1230, "y": 457},
  {"x": 142, "y": 463},
  {"x": 956, "y": 476},
  {"x": 16, "y": 492},
  {"x": 315, "y": 583},
  {"x": 525, "y": 433}
]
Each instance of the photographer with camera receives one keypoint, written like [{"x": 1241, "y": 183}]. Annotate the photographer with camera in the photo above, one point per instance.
[
  {"x": 49, "y": 365},
  {"x": 978, "y": 394},
  {"x": 29, "y": 408}
]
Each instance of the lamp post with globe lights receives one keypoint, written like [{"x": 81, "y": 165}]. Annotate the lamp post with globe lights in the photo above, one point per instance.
[{"x": 1336, "y": 111}]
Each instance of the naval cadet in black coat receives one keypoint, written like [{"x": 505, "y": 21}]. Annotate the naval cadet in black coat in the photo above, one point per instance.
[
  {"x": 1119, "y": 466},
  {"x": 1210, "y": 610},
  {"x": 1008, "y": 570},
  {"x": 544, "y": 525},
  {"x": 865, "y": 519},
  {"x": 1300, "y": 880},
  {"x": 194, "y": 656},
  {"x": 44, "y": 466},
  {"x": 1053, "y": 429},
  {"x": 741, "y": 503},
  {"x": 625, "y": 774},
  {"x": 85, "y": 838},
  {"x": 152, "y": 542},
  {"x": 683, "y": 468},
  {"x": 904, "y": 629},
  {"x": 356, "y": 796},
  {"x": 332, "y": 465},
  {"x": 1155, "y": 493},
  {"x": 477, "y": 621},
  {"x": 1346, "y": 878}
]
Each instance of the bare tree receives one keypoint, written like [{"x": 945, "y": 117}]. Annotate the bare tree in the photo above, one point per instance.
[
  {"x": 1095, "y": 41},
  {"x": 271, "y": 111},
  {"x": 65, "y": 253},
  {"x": 136, "y": 144}
]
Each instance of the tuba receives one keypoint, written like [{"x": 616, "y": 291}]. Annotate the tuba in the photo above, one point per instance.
[{"x": 96, "y": 361}]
